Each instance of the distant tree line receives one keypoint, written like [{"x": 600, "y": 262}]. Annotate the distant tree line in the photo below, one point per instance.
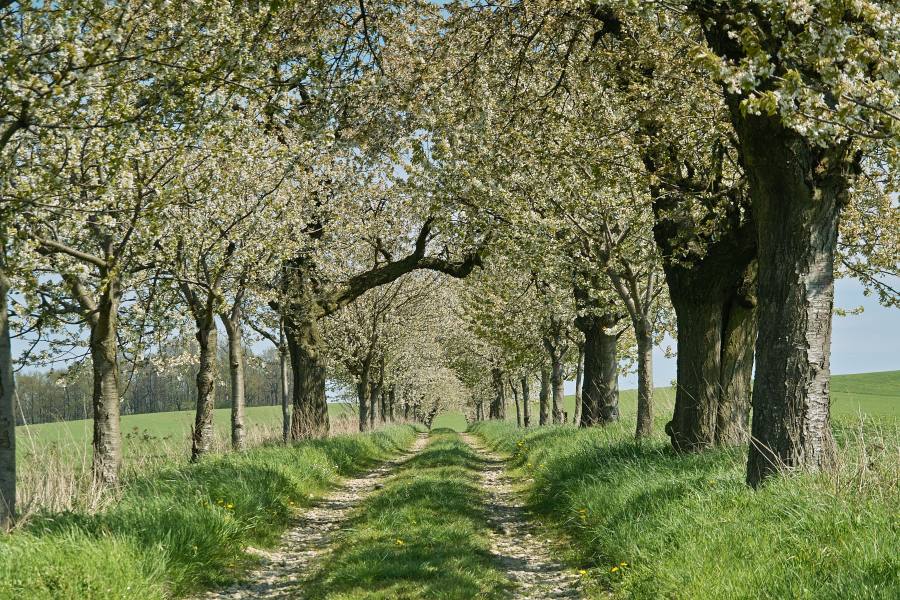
[{"x": 65, "y": 394}]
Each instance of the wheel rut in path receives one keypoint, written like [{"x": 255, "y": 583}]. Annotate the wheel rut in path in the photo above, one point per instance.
[
  {"x": 283, "y": 570},
  {"x": 526, "y": 557}
]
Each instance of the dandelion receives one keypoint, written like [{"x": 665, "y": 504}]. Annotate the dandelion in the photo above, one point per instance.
[
  {"x": 582, "y": 572},
  {"x": 623, "y": 564},
  {"x": 400, "y": 542},
  {"x": 229, "y": 506},
  {"x": 614, "y": 569}
]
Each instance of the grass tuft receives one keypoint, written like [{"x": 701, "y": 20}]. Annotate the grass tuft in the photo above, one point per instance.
[
  {"x": 653, "y": 524},
  {"x": 183, "y": 527}
]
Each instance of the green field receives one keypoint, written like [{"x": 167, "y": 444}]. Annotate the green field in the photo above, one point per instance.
[
  {"x": 166, "y": 426},
  {"x": 870, "y": 394},
  {"x": 862, "y": 394}
]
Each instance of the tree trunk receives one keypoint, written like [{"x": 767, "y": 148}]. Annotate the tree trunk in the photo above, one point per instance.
[
  {"x": 105, "y": 359},
  {"x": 645, "y": 380},
  {"x": 544, "y": 396},
  {"x": 283, "y": 391},
  {"x": 374, "y": 394},
  {"x": 579, "y": 383},
  {"x": 600, "y": 394},
  {"x": 797, "y": 190},
  {"x": 392, "y": 399},
  {"x": 232, "y": 324},
  {"x": 714, "y": 296},
  {"x": 310, "y": 412},
  {"x": 362, "y": 393},
  {"x": 526, "y": 400},
  {"x": 496, "y": 410},
  {"x": 515, "y": 393},
  {"x": 558, "y": 382},
  {"x": 7, "y": 410},
  {"x": 207, "y": 337}
]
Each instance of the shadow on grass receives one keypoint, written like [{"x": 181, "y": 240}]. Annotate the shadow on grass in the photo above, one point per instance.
[{"x": 422, "y": 536}]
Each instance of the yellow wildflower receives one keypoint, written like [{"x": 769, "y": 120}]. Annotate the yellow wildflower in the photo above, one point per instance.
[
  {"x": 582, "y": 572},
  {"x": 400, "y": 542},
  {"x": 614, "y": 569}
]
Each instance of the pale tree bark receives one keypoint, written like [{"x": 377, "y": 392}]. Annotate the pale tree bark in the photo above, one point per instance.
[
  {"x": 797, "y": 190},
  {"x": 7, "y": 408},
  {"x": 644, "y": 336},
  {"x": 102, "y": 318},
  {"x": 232, "y": 322},
  {"x": 515, "y": 392},
  {"x": 544, "y": 396},
  {"x": 392, "y": 399},
  {"x": 579, "y": 384},
  {"x": 362, "y": 393},
  {"x": 526, "y": 401},
  {"x": 556, "y": 352},
  {"x": 207, "y": 338},
  {"x": 639, "y": 304},
  {"x": 283, "y": 385}
]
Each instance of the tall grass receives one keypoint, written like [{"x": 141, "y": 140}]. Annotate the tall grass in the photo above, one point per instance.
[
  {"x": 652, "y": 524},
  {"x": 180, "y": 527}
]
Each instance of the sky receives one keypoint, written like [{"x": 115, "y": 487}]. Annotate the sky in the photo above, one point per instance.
[{"x": 861, "y": 343}]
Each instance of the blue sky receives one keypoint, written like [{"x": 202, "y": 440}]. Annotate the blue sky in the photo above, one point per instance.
[{"x": 860, "y": 343}]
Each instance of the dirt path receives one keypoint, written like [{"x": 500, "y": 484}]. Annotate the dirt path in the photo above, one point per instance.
[
  {"x": 527, "y": 558},
  {"x": 283, "y": 569}
]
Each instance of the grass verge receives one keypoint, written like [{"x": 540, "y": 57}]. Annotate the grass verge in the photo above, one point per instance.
[
  {"x": 652, "y": 524},
  {"x": 424, "y": 535},
  {"x": 185, "y": 527}
]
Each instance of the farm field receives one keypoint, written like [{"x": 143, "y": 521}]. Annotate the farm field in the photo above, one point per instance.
[
  {"x": 867, "y": 394},
  {"x": 165, "y": 426}
]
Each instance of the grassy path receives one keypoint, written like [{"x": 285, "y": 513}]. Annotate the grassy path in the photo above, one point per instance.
[
  {"x": 526, "y": 557},
  {"x": 442, "y": 521},
  {"x": 280, "y": 571}
]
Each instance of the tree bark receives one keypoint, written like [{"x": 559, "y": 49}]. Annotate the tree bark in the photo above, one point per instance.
[
  {"x": 797, "y": 190},
  {"x": 232, "y": 323},
  {"x": 579, "y": 385},
  {"x": 600, "y": 395},
  {"x": 283, "y": 385},
  {"x": 104, "y": 356},
  {"x": 544, "y": 396},
  {"x": 309, "y": 419},
  {"x": 515, "y": 393},
  {"x": 497, "y": 408},
  {"x": 207, "y": 337},
  {"x": 526, "y": 400},
  {"x": 362, "y": 394},
  {"x": 7, "y": 409},
  {"x": 714, "y": 296},
  {"x": 645, "y": 379},
  {"x": 392, "y": 399}
]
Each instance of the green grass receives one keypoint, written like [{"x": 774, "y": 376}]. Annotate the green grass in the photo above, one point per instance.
[
  {"x": 871, "y": 394},
  {"x": 651, "y": 524},
  {"x": 174, "y": 425},
  {"x": 424, "y": 535},
  {"x": 182, "y": 528}
]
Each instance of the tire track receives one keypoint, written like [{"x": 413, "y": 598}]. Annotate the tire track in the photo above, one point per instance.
[
  {"x": 282, "y": 570},
  {"x": 526, "y": 557}
]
